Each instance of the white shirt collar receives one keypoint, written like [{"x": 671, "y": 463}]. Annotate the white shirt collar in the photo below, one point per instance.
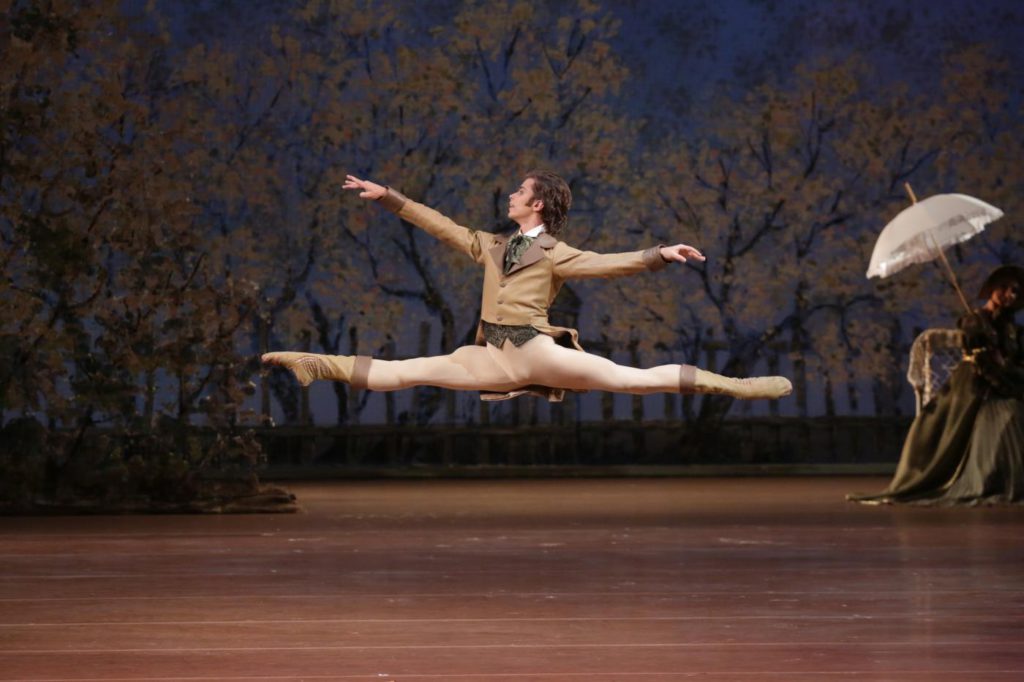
[{"x": 535, "y": 232}]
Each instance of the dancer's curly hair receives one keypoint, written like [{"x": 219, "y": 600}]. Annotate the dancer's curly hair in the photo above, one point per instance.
[{"x": 557, "y": 198}]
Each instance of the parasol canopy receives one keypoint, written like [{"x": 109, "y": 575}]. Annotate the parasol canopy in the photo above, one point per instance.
[{"x": 921, "y": 231}]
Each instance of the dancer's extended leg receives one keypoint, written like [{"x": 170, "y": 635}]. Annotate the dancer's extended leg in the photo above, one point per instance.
[
  {"x": 541, "y": 361},
  {"x": 468, "y": 368}
]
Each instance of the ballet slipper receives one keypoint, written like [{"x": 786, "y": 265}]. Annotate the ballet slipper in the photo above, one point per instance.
[
  {"x": 694, "y": 380},
  {"x": 308, "y": 367}
]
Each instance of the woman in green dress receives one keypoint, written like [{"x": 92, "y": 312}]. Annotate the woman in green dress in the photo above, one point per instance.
[{"x": 966, "y": 446}]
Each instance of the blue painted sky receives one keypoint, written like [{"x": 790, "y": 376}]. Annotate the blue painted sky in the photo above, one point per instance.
[
  {"x": 685, "y": 51},
  {"x": 680, "y": 53}
]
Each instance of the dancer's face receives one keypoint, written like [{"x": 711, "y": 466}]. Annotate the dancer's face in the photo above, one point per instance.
[{"x": 522, "y": 204}]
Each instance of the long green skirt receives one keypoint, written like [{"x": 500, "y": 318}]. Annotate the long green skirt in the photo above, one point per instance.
[{"x": 962, "y": 449}]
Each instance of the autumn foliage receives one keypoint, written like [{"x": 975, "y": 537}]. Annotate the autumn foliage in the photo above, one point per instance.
[{"x": 170, "y": 208}]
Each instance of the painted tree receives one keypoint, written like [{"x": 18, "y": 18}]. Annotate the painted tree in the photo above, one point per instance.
[
  {"x": 787, "y": 190},
  {"x": 114, "y": 314}
]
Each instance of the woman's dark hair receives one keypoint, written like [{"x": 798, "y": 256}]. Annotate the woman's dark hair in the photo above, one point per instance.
[
  {"x": 557, "y": 198},
  {"x": 1000, "y": 278}
]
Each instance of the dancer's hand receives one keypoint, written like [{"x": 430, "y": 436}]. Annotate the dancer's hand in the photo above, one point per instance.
[
  {"x": 680, "y": 253},
  {"x": 370, "y": 190}
]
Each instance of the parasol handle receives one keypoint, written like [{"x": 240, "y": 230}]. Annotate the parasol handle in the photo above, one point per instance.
[
  {"x": 952, "y": 276},
  {"x": 910, "y": 192},
  {"x": 947, "y": 269}
]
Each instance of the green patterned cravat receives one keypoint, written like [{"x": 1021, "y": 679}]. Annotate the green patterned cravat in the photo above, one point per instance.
[{"x": 515, "y": 249}]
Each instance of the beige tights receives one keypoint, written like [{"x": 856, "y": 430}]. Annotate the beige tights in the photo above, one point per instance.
[{"x": 538, "y": 361}]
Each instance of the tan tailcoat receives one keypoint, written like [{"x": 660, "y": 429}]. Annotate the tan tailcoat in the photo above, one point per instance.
[{"x": 524, "y": 295}]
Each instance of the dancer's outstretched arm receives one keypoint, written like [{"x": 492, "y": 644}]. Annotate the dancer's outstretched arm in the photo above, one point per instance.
[
  {"x": 680, "y": 253},
  {"x": 571, "y": 263},
  {"x": 367, "y": 189},
  {"x": 436, "y": 224}
]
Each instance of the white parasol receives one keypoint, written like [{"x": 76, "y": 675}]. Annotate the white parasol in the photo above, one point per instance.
[{"x": 921, "y": 232}]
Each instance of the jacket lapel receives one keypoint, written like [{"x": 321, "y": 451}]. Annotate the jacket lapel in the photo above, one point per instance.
[
  {"x": 497, "y": 251},
  {"x": 532, "y": 254}
]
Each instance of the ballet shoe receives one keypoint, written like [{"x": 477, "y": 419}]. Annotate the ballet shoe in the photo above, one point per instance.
[
  {"x": 772, "y": 387},
  {"x": 309, "y": 367}
]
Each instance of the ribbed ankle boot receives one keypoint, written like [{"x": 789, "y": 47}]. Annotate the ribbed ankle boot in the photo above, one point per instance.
[
  {"x": 694, "y": 380},
  {"x": 308, "y": 367}
]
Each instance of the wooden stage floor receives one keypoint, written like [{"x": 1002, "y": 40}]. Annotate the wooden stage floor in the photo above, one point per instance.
[{"x": 599, "y": 579}]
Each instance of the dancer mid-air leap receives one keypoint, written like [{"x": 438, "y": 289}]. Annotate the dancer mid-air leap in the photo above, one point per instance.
[{"x": 518, "y": 350}]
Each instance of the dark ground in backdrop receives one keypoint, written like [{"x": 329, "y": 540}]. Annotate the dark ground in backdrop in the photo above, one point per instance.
[{"x": 751, "y": 446}]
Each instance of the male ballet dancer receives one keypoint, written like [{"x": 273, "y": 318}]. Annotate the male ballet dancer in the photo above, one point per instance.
[{"x": 517, "y": 350}]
